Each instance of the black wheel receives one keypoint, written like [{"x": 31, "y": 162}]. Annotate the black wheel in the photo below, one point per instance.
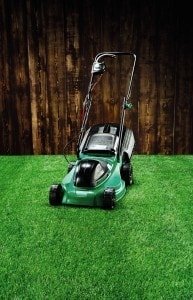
[
  {"x": 109, "y": 198},
  {"x": 55, "y": 194},
  {"x": 127, "y": 173}
]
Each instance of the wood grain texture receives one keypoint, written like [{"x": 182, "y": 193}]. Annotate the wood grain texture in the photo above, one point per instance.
[
  {"x": 183, "y": 142},
  {"x": 167, "y": 43},
  {"x": 46, "y": 52},
  {"x": 15, "y": 98}
]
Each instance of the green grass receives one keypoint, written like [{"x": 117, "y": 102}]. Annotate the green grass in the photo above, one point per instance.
[{"x": 141, "y": 250}]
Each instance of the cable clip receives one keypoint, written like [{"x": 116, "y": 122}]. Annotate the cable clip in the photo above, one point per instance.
[{"x": 128, "y": 105}]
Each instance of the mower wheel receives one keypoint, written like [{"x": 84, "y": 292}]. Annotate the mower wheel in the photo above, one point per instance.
[
  {"x": 55, "y": 194},
  {"x": 109, "y": 198},
  {"x": 127, "y": 173}
]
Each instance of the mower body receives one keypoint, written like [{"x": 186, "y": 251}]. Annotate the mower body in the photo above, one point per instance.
[
  {"x": 98, "y": 170},
  {"x": 103, "y": 169}
]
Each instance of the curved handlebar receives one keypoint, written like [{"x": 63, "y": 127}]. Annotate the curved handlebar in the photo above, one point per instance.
[{"x": 113, "y": 54}]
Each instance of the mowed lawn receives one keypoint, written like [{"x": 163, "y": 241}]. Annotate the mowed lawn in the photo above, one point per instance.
[{"x": 143, "y": 249}]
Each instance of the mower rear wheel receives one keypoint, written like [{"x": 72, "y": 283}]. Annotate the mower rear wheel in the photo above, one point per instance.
[
  {"x": 127, "y": 173},
  {"x": 109, "y": 198},
  {"x": 55, "y": 194}
]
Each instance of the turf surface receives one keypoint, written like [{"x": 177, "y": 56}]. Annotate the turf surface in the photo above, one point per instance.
[{"x": 141, "y": 250}]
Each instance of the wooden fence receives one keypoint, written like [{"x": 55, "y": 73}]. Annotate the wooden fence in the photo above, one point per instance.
[{"x": 46, "y": 52}]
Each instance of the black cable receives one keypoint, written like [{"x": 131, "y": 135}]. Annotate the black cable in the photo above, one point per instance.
[{"x": 70, "y": 142}]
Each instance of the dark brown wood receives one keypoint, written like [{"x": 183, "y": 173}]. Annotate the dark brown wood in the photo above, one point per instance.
[
  {"x": 183, "y": 129},
  {"x": 148, "y": 62},
  {"x": 166, "y": 79},
  {"x": 46, "y": 52},
  {"x": 4, "y": 88},
  {"x": 72, "y": 63},
  {"x": 15, "y": 101}
]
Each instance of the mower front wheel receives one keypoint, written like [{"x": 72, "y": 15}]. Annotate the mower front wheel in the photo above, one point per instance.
[
  {"x": 55, "y": 194},
  {"x": 109, "y": 198}
]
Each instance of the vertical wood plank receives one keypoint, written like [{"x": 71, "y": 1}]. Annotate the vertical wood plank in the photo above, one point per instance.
[
  {"x": 183, "y": 131},
  {"x": 51, "y": 48},
  {"x": 60, "y": 66},
  {"x": 33, "y": 46},
  {"x": 18, "y": 100},
  {"x": 22, "y": 83},
  {"x": 4, "y": 89},
  {"x": 5, "y": 82},
  {"x": 167, "y": 24},
  {"x": 147, "y": 78},
  {"x": 72, "y": 61},
  {"x": 41, "y": 76},
  {"x": 37, "y": 60}
]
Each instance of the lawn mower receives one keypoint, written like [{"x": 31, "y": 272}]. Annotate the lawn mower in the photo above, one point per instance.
[{"x": 103, "y": 168}]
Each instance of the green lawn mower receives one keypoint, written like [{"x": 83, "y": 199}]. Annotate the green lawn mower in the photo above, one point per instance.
[{"x": 103, "y": 169}]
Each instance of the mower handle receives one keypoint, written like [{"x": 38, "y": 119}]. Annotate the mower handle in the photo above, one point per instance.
[
  {"x": 113, "y": 54},
  {"x": 88, "y": 98},
  {"x": 126, "y": 99}
]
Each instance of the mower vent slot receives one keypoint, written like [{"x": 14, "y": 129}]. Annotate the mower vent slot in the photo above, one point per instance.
[
  {"x": 106, "y": 128},
  {"x": 113, "y": 130},
  {"x": 101, "y": 129}
]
